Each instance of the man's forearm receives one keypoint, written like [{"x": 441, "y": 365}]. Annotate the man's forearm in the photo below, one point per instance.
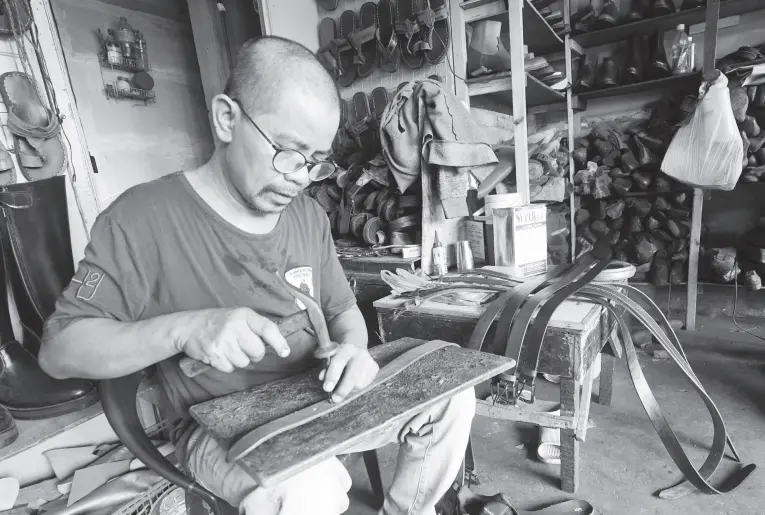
[
  {"x": 349, "y": 327},
  {"x": 97, "y": 348}
]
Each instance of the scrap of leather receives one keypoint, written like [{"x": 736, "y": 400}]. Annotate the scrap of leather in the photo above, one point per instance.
[
  {"x": 252, "y": 440},
  {"x": 611, "y": 298},
  {"x": 111, "y": 495}
]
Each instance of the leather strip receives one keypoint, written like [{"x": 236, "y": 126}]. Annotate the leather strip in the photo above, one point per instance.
[
  {"x": 405, "y": 222},
  {"x": 695, "y": 479},
  {"x": 551, "y": 298},
  {"x": 258, "y": 436}
]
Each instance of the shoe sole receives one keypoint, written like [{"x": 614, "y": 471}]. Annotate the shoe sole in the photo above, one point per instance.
[
  {"x": 55, "y": 410},
  {"x": 8, "y": 436}
]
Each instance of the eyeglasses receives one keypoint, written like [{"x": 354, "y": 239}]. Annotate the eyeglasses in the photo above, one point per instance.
[{"x": 286, "y": 161}]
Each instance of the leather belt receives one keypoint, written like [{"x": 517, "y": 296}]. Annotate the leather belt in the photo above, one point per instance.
[
  {"x": 259, "y": 435},
  {"x": 694, "y": 479}
]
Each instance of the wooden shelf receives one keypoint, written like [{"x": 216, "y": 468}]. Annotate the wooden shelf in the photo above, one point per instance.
[
  {"x": 674, "y": 81},
  {"x": 495, "y": 91},
  {"x": 537, "y": 33},
  {"x": 670, "y": 21}
]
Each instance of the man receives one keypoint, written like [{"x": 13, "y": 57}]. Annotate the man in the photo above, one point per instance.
[{"x": 187, "y": 264}]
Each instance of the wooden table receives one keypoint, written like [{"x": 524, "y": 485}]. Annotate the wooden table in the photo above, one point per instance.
[{"x": 578, "y": 332}]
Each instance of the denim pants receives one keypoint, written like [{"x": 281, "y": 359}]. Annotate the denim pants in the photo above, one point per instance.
[{"x": 431, "y": 449}]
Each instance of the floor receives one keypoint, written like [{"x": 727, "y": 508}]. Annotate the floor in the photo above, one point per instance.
[{"x": 623, "y": 462}]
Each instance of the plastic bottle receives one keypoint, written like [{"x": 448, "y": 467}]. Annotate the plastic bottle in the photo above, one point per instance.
[
  {"x": 439, "y": 257},
  {"x": 679, "y": 49}
]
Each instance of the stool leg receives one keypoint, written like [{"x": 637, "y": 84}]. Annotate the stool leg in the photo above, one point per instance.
[
  {"x": 569, "y": 445},
  {"x": 606, "y": 387},
  {"x": 375, "y": 477}
]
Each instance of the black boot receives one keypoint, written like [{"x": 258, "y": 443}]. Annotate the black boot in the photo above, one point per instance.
[
  {"x": 8, "y": 430},
  {"x": 37, "y": 250},
  {"x": 639, "y": 10},
  {"x": 633, "y": 72},
  {"x": 658, "y": 65}
]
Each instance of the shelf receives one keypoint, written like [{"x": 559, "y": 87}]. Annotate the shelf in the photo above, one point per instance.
[
  {"x": 670, "y": 21},
  {"x": 130, "y": 65},
  {"x": 538, "y": 35},
  {"x": 134, "y": 93},
  {"x": 497, "y": 89},
  {"x": 674, "y": 81}
]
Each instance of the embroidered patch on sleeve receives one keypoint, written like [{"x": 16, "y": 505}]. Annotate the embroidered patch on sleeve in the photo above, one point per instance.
[{"x": 89, "y": 282}]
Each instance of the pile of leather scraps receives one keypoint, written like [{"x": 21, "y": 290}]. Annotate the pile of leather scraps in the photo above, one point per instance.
[
  {"x": 548, "y": 169},
  {"x": 364, "y": 207},
  {"x": 613, "y": 162},
  {"x": 652, "y": 234}
]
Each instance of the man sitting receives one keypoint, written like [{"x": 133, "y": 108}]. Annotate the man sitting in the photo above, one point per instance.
[{"x": 186, "y": 265}]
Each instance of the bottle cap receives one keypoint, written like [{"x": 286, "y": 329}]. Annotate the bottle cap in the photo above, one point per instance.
[
  {"x": 436, "y": 242},
  {"x": 681, "y": 26}
]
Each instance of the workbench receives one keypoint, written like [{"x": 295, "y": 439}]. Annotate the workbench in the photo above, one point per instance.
[{"x": 577, "y": 334}]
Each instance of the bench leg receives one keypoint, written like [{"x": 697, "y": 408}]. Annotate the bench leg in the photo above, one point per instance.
[
  {"x": 375, "y": 477},
  {"x": 569, "y": 445},
  {"x": 606, "y": 387}
]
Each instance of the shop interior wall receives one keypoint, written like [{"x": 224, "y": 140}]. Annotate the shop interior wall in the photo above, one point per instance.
[
  {"x": 726, "y": 214},
  {"x": 132, "y": 143}
]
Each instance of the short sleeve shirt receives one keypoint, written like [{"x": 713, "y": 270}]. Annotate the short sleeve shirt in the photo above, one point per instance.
[{"x": 159, "y": 249}]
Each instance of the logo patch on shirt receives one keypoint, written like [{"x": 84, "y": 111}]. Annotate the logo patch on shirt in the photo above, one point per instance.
[
  {"x": 301, "y": 277},
  {"x": 89, "y": 283}
]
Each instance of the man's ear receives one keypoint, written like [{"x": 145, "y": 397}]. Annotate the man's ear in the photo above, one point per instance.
[{"x": 223, "y": 111}]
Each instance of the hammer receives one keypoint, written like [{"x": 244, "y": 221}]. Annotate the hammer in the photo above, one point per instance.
[{"x": 311, "y": 317}]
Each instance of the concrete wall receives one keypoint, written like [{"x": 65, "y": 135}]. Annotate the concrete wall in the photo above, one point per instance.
[{"x": 130, "y": 142}]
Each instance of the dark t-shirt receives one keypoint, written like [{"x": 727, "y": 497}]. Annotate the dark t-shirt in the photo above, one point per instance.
[{"x": 159, "y": 249}]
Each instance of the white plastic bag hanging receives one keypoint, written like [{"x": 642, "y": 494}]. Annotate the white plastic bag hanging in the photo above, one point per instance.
[{"x": 707, "y": 152}]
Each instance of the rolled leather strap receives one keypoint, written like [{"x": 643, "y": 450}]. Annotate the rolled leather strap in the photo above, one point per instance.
[
  {"x": 371, "y": 228},
  {"x": 405, "y": 222}
]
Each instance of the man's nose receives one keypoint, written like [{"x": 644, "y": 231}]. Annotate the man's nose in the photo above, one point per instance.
[{"x": 300, "y": 177}]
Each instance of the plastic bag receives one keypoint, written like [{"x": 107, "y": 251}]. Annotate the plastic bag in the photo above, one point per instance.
[{"x": 707, "y": 152}]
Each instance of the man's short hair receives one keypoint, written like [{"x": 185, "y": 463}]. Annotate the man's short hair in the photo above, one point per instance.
[{"x": 267, "y": 65}]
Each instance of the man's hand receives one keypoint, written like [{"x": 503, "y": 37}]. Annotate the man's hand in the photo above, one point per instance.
[
  {"x": 232, "y": 338},
  {"x": 350, "y": 369}
]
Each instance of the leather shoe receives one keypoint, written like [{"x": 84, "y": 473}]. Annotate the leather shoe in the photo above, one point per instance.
[
  {"x": 662, "y": 7},
  {"x": 586, "y": 76},
  {"x": 639, "y": 11},
  {"x": 608, "y": 75},
  {"x": 30, "y": 393},
  {"x": 609, "y": 15},
  {"x": 692, "y": 4},
  {"x": 8, "y": 430},
  {"x": 658, "y": 64},
  {"x": 633, "y": 72}
]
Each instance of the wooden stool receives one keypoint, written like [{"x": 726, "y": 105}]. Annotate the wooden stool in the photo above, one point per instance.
[{"x": 578, "y": 332}]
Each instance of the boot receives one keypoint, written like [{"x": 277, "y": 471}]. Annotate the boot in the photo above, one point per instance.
[
  {"x": 639, "y": 11},
  {"x": 692, "y": 4},
  {"x": 609, "y": 15},
  {"x": 37, "y": 250},
  {"x": 662, "y": 8},
  {"x": 586, "y": 76},
  {"x": 27, "y": 391},
  {"x": 658, "y": 64},
  {"x": 8, "y": 430},
  {"x": 608, "y": 74},
  {"x": 633, "y": 72}
]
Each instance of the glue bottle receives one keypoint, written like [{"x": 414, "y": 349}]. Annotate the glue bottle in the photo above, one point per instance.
[{"x": 439, "y": 257}]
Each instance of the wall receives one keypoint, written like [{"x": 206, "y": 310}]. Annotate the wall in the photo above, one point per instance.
[{"x": 130, "y": 142}]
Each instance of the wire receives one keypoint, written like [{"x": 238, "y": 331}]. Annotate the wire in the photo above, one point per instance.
[{"x": 735, "y": 302}]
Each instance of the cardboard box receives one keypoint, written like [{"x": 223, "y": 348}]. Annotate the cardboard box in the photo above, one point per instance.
[{"x": 520, "y": 240}]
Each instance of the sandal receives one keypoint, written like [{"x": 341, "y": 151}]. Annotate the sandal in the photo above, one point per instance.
[
  {"x": 462, "y": 501},
  {"x": 438, "y": 36},
  {"x": 408, "y": 29},
  {"x": 329, "y": 5},
  {"x": 16, "y": 17},
  {"x": 363, "y": 40},
  {"x": 330, "y": 47},
  {"x": 37, "y": 142},
  {"x": 387, "y": 41},
  {"x": 379, "y": 100},
  {"x": 7, "y": 168},
  {"x": 347, "y": 55},
  {"x": 361, "y": 129}
]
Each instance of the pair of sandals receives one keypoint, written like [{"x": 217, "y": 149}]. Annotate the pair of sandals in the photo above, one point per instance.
[
  {"x": 384, "y": 34},
  {"x": 35, "y": 129},
  {"x": 359, "y": 135}
]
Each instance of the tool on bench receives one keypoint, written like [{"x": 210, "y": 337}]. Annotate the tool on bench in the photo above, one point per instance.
[{"x": 312, "y": 317}]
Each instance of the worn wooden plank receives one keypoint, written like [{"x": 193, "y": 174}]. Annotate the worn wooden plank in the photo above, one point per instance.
[
  {"x": 517, "y": 59},
  {"x": 429, "y": 380},
  {"x": 569, "y": 445},
  {"x": 606, "y": 384}
]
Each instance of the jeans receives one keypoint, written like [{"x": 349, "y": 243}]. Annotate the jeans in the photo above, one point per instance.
[{"x": 431, "y": 449}]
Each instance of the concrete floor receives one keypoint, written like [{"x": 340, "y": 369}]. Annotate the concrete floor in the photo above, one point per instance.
[{"x": 623, "y": 463}]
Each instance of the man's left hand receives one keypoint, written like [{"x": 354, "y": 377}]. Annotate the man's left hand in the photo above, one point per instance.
[{"x": 350, "y": 369}]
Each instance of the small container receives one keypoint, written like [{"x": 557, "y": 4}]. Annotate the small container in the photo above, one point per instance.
[
  {"x": 124, "y": 33},
  {"x": 464, "y": 256},
  {"x": 128, "y": 50},
  {"x": 439, "y": 257},
  {"x": 141, "y": 57},
  {"x": 123, "y": 84}
]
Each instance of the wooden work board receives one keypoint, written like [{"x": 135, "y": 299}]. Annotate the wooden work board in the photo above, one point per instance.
[{"x": 429, "y": 380}]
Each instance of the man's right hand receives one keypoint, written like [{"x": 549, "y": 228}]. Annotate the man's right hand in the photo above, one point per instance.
[{"x": 232, "y": 338}]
